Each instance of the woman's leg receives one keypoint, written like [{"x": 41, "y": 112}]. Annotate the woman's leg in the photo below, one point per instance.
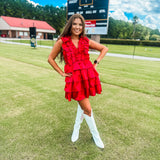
[
  {"x": 88, "y": 114},
  {"x": 93, "y": 129},
  {"x": 86, "y": 106},
  {"x": 78, "y": 121},
  {"x": 83, "y": 107}
]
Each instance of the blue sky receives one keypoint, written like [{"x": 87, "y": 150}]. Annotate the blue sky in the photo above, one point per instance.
[
  {"x": 148, "y": 11},
  {"x": 50, "y": 2}
]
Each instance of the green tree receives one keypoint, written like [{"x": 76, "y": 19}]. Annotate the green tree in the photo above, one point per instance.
[
  {"x": 155, "y": 37},
  {"x": 135, "y": 21},
  {"x": 155, "y": 31}
]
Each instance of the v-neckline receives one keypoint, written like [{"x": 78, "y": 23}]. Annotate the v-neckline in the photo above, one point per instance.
[{"x": 74, "y": 44}]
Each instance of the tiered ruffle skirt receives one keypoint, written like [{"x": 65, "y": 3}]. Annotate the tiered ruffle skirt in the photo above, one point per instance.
[{"x": 83, "y": 83}]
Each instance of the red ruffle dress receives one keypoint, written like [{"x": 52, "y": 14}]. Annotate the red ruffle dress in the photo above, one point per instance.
[{"x": 84, "y": 81}]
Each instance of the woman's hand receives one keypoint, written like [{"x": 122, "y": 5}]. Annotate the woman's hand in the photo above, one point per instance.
[
  {"x": 94, "y": 65},
  {"x": 66, "y": 74}
]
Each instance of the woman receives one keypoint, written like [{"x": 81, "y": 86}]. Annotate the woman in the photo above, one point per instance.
[{"x": 80, "y": 74}]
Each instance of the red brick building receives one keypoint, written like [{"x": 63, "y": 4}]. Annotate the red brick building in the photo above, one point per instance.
[{"x": 12, "y": 27}]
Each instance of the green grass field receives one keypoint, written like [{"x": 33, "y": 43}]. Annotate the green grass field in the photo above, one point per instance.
[
  {"x": 146, "y": 51},
  {"x": 36, "y": 121}
]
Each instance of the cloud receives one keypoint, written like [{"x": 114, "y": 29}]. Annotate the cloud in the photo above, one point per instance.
[
  {"x": 151, "y": 21},
  {"x": 119, "y": 15},
  {"x": 65, "y": 4},
  {"x": 35, "y": 4},
  {"x": 148, "y": 11}
]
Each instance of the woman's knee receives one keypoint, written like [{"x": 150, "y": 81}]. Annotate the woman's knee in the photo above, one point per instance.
[
  {"x": 86, "y": 106},
  {"x": 88, "y": 111}
]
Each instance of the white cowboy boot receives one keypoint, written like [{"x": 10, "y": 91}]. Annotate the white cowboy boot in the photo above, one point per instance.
[
  {"x": 78, "y": 121},
  {"x": 93, "y": 129}
]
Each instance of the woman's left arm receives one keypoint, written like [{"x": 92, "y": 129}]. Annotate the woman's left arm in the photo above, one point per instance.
[{"x": 97, "y": 46}]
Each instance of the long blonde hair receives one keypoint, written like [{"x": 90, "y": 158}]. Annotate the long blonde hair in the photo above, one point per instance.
[{"x": 67, "y": 29}]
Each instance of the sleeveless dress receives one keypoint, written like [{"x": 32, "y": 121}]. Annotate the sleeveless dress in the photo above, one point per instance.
[{"x": 84, "y": 81}]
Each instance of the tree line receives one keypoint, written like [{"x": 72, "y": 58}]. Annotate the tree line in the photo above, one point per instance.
[
  {"x": 56, "y": 17},
  {"x": 131, "y": 30}
]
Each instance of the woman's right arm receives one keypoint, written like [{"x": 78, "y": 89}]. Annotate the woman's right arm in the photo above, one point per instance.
[{"x": 52, "y": 56}]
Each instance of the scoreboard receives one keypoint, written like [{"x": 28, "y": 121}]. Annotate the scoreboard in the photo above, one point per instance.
[{"x": 95, "y": 13}]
